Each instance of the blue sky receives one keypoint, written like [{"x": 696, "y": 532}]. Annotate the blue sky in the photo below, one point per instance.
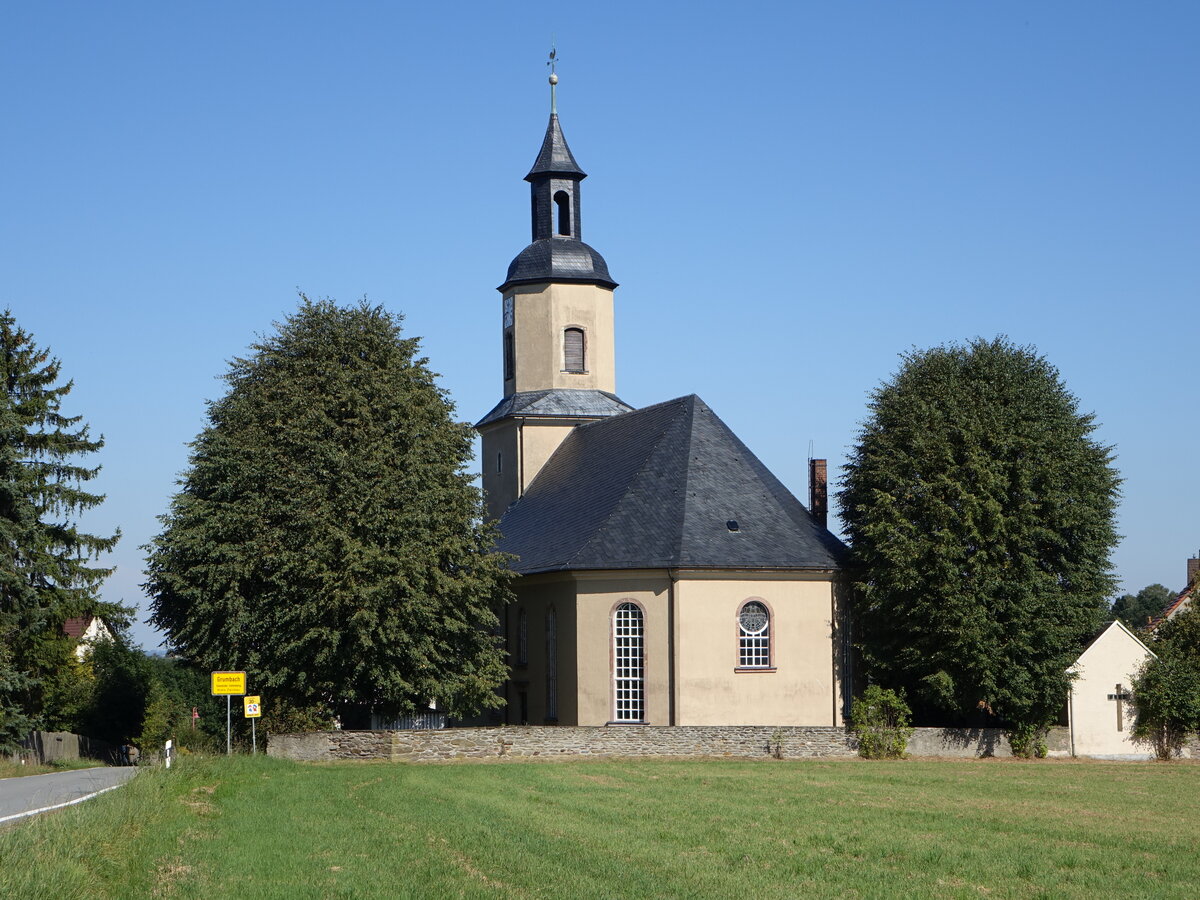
[{"x": 791, "y": 195}]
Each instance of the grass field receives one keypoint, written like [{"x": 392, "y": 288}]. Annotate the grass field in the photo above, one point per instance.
[{"x": 250, "y": 828}]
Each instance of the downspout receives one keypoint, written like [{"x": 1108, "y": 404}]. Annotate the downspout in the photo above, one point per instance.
[
  {"x": 520, "y": 458},
  {"x": 672, "y": 692},
  {"x": 1071, "y": 716}
]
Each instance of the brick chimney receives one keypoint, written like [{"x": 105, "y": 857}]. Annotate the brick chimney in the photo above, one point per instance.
[
  {"x": 1193, "y": 571},
  {"x": 818, "y": 492}
]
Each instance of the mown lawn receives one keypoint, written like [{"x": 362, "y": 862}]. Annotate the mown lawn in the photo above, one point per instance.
[{"x": 259, "y": 827}]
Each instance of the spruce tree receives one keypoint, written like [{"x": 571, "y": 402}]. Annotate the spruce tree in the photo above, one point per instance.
[
  {"x": 327, "y": 538},
  {"x": 49, "y": 571},
  {"x": 979, "y": 510}
]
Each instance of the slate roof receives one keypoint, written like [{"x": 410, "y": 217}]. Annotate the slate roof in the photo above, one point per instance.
[
  {"x": 558, "y": 403},
  {"x": 558, "y": 259},
  {"x": 655, "y": 488},
  {"x": 555, "y": 157}
]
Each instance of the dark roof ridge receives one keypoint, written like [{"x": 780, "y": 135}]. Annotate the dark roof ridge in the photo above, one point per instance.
[{"x": 684, "y": 409}]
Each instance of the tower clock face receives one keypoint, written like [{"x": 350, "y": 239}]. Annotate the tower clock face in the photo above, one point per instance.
[{"x": 508, "y": 312}]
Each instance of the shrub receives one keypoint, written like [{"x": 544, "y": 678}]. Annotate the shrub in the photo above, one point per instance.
[
  {"x": 1166, "y": 700},
  {"x": 1028, "y": 741},
  {"x": 880, "y": 721}
]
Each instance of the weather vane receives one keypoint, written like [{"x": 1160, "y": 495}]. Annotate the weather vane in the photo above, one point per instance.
[{"x": 552, "y": 62}]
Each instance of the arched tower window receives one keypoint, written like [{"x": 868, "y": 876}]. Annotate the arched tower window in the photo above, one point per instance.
[
  {"x": 573, "y": 351},
  {"x": 754, "y": 636},
  {"x": 551, "y": 664},
  {"x": 510, "y": 363},
  {"x": 629, "y": 682},
  {"x": 563, "y": 203}
]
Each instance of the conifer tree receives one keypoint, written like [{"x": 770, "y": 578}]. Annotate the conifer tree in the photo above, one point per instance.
[
  {"x": 48, "y": 573},
  {"x": 979, "y": 510},
  {"x": 327, "y": 538}
]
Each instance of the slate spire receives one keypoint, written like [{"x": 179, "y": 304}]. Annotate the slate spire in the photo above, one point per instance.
[
  {"x": 557, "y": 252},
  {"x": 555, "y": 157}
]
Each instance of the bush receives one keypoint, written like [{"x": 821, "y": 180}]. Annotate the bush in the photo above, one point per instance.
[
  {"x": 1166, "y": 700},
  {"x": 1028, "y": 741},
  {"x": 880, "y": 721}
]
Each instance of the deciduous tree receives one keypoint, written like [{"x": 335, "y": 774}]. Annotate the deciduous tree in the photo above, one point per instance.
[
  {"x": 327, "y": 537},
  {"x": 1135, "y": 609},
  {"x": 1166, "y": 691},
  {"x": 979, "y": 508}
]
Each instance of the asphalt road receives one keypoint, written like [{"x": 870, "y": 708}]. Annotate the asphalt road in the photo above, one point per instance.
[{"x": 20, "y": 796}]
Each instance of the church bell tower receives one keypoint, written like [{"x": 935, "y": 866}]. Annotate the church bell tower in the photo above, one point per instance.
[{"x": 557, "y": 346}]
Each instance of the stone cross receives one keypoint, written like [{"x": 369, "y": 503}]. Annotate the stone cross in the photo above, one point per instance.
[{"x": 1120, "y": 696}]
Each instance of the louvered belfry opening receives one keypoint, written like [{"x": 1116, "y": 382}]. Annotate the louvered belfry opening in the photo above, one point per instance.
[{"x": 573, "y": 351}]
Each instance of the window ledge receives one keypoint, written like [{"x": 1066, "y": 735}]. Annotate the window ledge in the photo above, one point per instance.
[
  {"x": 639, "y": 722},
  {"x": 755, "y": 669}
]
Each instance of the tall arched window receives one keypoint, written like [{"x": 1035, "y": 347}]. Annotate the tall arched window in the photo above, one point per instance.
[
  {"x": 510, "y": 362},
  {"x": 629, "y": 677},
  {"x": 551, "y": 664},
  {"x": 573, "y": 351},
  {"x": 522, "y": 638},
  {"x": 563, "y": 202},
  {"x": 754, "y": 636}
]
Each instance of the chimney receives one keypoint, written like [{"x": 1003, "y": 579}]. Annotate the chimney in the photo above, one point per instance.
[
  {"x": 818, "y": 492},
  {"x": 1193, "y": 571}
]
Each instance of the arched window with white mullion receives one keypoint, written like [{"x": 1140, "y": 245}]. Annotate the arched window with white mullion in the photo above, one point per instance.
[
  {"x": 754, "y": 636},
  {"x": 629, "y": 674}
]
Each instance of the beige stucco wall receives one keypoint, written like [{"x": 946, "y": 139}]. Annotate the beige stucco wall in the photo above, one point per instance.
[
  {"x": 1112, "y": 659},
  {"x": 692, "y": 617},
  {"x": 802, "y": 686},
  {"x": 525, "y": 445},
  {"x": 535, "y": 596},
  {"x": 598, "y": 595},
  {"x": 540, "y": 315}
]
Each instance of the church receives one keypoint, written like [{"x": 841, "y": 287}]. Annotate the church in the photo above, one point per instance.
[{"x": 666, "y": 576}]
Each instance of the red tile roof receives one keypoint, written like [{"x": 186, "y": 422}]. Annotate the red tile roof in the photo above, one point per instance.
[{"x": 76, "y": 627}]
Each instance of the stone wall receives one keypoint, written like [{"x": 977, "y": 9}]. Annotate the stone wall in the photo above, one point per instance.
[
  {"x": 525, "y": 742},
  {"x": 972, "y": 742}
]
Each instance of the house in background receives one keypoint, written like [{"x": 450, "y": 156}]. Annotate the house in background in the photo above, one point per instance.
[
  {"x": 1099, "y": 709},
  {"x": 88, "y": 631},
  {"x": 667, "y": 576},
  {"x": 1184, "y": 600}
]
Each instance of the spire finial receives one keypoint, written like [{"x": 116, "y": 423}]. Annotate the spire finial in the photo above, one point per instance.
[{"x": 552, "y": 62}]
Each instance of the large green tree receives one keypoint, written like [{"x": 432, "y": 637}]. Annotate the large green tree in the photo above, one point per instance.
[
  {"x": 48, "y": 570},
  {"x": 327, "y": 538},
  {"x": 979, "y": 509},
  {"x": 1135, "y": 610}
]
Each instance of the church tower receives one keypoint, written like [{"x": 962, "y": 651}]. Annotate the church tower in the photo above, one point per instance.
[{"x": 556, "y": 338}]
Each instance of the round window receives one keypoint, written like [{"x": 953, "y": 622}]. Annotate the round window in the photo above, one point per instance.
[{"x": 753, "y": 618}]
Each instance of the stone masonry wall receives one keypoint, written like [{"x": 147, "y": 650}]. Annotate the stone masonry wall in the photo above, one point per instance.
[{"x": 525, "y": 742}]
